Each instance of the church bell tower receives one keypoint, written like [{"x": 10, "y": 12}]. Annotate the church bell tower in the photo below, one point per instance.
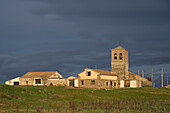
[{"x": 119, "y": 62}]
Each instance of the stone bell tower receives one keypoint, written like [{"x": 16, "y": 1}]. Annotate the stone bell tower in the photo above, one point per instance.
[{"x": 119, "y": 62}]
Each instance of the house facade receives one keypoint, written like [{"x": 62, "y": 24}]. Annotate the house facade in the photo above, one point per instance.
[
  {"x": 14, "y": 81},
  {"x": 72, "y": 81},
  {"x": 92, "y": 78}
]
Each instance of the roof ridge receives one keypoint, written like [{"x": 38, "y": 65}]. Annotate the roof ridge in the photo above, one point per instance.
[
  {"x": 100, "y": 70},
  {"x": 38, "y": 74},
  {"x": 42, "y": 72},
  {"x": 104, "y": 72}
]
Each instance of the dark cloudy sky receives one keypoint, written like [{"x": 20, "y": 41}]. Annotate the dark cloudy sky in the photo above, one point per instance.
[{"x": 69, "y": 35}]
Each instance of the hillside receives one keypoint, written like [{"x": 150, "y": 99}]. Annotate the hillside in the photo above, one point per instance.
[{"x": 64, "y": 99}]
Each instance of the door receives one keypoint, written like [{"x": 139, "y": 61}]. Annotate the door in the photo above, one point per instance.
[
  {"x": 127, "y": 83},
  {"x": 71, "y": 83},
  {"x": 110, "y": 84}
]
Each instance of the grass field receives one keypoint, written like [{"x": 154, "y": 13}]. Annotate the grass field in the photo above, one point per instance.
[{"x": 43, "y": 99}]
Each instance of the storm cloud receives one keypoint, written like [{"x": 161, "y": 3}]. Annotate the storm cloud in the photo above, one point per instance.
[{"x": 69, "y": 35}]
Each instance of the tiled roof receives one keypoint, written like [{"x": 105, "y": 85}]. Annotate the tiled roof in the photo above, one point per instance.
[
  {"x": 103, "y": 72},
  {"x": 46, "y": 74},
  {"x": 135, "y": 75},
  {"x": 119, "y": 47}
]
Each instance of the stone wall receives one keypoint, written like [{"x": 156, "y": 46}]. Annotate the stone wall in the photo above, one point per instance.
[
  {"x": 56, "y": 82},
  {"x": 107, "y": 83},
  {"x": 26, "y": 81},
  {"x": 99, "y": 83},
  {"x": 87, "y": 83},
  {"x": 120, "y": 66},
  {"x": 11, "y": 82}
]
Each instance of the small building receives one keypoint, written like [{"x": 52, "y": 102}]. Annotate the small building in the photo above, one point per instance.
[
  {"x": 144, "y": 81},
  {"x": 92, "y": 78},
  {"x": 39, "y": 79},
  {"x": 72, "y": 81},
  {"x": 135, "y": 83},
  {"x": 168, "y": 86}
]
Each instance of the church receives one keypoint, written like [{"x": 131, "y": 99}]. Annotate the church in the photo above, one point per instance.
[{"x": 118, "y": 77}]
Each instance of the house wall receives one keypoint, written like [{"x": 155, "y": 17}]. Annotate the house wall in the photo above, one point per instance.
[
  {"x": 102, "y": 83},
  {"x": 135, "y": 83},
  {"x": 87, "y": 83},
  {"x": 56, "y": 82},
  {"x": 100, "y": 80},
  {"x": 11, "y": 82},
  {"x": 87, "y": 79},
  {"x": 76, "y": 83},
  {"x": 99, "y": 83},
  {"x": 145, "y": 81},
  {"x": 56, "y": 75},
  {"x": 83, "y": 75},
  {"x": 122, "y": 84},
  {"x": 31, "y": 81},
  {"x": 106, "y": 77}
]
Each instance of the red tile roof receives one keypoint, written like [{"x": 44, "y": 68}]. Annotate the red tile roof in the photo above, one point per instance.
[{"x": 135, "y": 75}]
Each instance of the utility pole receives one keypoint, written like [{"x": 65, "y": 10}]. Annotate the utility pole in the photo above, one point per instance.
[
  {"x": 167, "y": 79},
  {"x": 154, "y": 84},
  {"x": 143, "y": 73},
  {"x": 95, "y": 66},
  {"x": 152, "y": 78},
  {"x": 162, "y": 77},
  {"x": 138, "y": 72}
]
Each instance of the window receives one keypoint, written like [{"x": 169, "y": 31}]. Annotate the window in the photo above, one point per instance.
[
  {"x": 120, "y": 56},
  {"x": 88, "y": 73},
  {"x": 114, "y": 83},
  {"x": 107, "y": 83},
  {"x": 16, "y": 83},
  {"x": 92, "y": 82},
  {"x": 115, "y": 56},
  {"x": 37, "y": 81},
  {"x": 26, "y": 82},
  {"x": 82, "y": 82}
]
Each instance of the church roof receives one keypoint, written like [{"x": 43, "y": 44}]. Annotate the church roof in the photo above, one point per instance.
[
  {"x": 103, "y": 72},
  {"x": 119, "y": 47},
  {"x": 46, "y": 74},
  {"x": 136, "y": 76}
]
